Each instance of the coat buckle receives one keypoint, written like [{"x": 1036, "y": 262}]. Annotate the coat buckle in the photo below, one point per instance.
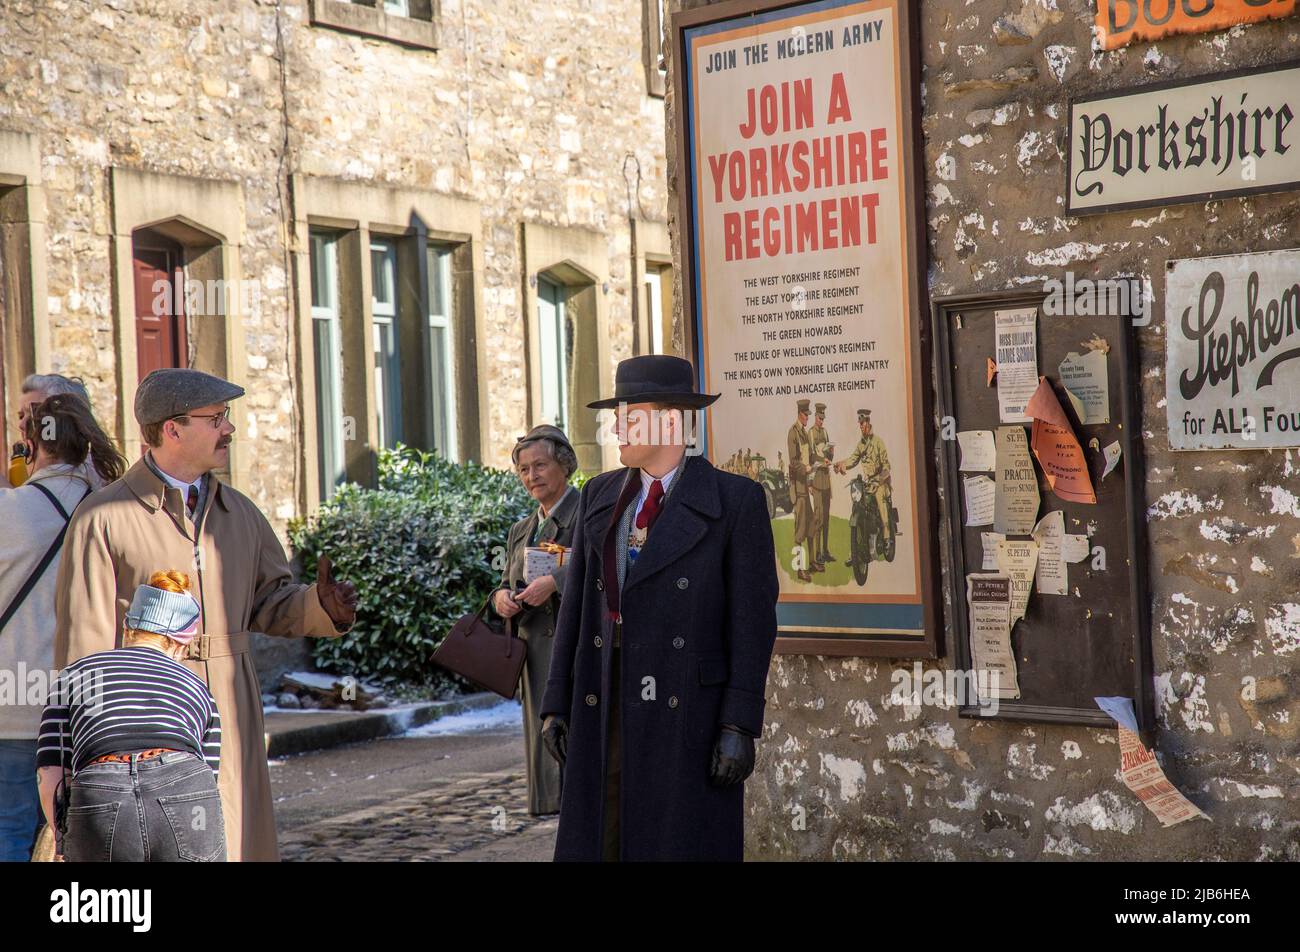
[{"x": 200, "y": 648}]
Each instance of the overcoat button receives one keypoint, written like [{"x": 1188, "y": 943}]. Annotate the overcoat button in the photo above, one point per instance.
[
  {"x": 591, "y": 700},
  {"x": 679, "y": 641},
  {"x": 598, "y": 641},
  {"x": 600, "y": 586},
  {"x": 682, "y": 583},
  {"x": 672, "y": 701}
]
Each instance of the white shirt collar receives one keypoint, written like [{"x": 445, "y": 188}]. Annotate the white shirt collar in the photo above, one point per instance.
[
  {"x": 183, "y": 488},
  {"x": 666, "y": 479}
]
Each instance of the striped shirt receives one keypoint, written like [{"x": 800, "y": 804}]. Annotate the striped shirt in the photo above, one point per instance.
[{"x": 125, "y": 700}]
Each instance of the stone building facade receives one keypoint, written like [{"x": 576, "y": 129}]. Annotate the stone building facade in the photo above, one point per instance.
[
  {"x": 843, "y": 772},
  {"x": 457, "y": 186}
]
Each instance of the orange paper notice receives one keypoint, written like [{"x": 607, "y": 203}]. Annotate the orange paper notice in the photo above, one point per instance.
[
  {"x": 1142, "y": 774},
  {"x": 1056, "y": 447}
]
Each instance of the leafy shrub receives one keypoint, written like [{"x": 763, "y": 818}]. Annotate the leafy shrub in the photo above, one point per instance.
[{"x": 421, "y": 550}]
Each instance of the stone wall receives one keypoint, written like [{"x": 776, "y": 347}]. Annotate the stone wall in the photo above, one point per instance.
[{"x": 843, "y": 773}]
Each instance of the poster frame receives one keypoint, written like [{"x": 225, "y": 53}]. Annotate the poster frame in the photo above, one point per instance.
[{"x": 877, "y": 644}]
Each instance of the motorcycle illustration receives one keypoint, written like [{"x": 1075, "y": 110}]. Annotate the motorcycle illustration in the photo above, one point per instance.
[{"x": 867, "y": 542}]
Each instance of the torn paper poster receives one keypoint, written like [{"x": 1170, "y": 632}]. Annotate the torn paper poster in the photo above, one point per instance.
[
  {"x": 1018, "y": 559},
  {"x": 1056, "y": 447},
  {"x": 1084, "y": 378},
  {"x": 1141, "y": 770},
  {"x": 1016, "y": 502},
  {"x": 1074, "y": 547},
  {"x": 988, "y": 606},
  {"x": 977, "y": 453},
  {"x": 1096, "y": 342},
  {"x": 1112, "y": 453},
  {"x": 1051, "y": 575},
  {"x": 993, "y": 371},
  {"x": 980, "y": 491},
  {"x": 1016, "y": 343},
  {"x": 989, "y": 541}
]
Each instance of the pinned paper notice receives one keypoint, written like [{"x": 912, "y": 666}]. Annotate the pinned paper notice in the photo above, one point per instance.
[
  {"x": 988, "y": 604},
  {"x": 1141, "y": 770},
  {"x": 1056, "y": 447},
  {"x": 1016, "y": 339},
  {"x": 1018, "y": 559},
  {"x": 977, "y": 453},
  {"x": 1016, "y": 501},
  {"x": 1112, "y": 454},
  {"x": 1051, "y": 575},
  {"x": 1075, "y": 548},
  {"x": 989, "y": 541},
  {"x": 993, "y": 371},
  {"x": 1084, "y": 379},
  {"x": 980, "y": 491}
]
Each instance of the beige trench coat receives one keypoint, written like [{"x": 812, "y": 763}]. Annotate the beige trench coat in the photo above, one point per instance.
[{"x": 137, "y": 526}]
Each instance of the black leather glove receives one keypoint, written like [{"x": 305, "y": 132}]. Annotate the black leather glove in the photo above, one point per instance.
[
  {"x": 733, "y": 757},
  {"x": 555, "y": 735}
]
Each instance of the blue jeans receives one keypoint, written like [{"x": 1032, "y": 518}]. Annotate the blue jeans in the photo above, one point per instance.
[
  {"x": 20, "y": 801},
  {"x": 162, "y": 810}
]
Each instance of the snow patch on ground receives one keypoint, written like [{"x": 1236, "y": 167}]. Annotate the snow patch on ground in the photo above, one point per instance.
[{"x": 504, "y": 716}]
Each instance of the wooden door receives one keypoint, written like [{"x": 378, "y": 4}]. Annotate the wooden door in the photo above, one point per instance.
[{"x": 160, "y": 338}]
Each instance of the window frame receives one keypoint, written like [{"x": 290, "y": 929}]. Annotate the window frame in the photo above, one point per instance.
[{"x": 329, "y": 314}]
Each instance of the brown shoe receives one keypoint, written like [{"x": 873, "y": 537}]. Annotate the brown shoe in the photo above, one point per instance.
[
  {"x": 803, "y": 576},
  {"x": 818, "y": 567}
]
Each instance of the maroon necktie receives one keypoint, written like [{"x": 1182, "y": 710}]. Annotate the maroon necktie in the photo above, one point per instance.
[
  {"x": 653, "y": 504},
  {"x": 192, "y": 499}
]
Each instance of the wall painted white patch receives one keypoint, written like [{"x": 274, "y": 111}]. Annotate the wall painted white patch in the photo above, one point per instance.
[{"x": 850, "y": 774}]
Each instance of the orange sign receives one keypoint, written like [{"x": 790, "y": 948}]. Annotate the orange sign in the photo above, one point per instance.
[{"x": 1121, "y": 22}]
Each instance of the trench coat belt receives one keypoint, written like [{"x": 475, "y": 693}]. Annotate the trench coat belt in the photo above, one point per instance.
[{"x": 218, "y": 646}]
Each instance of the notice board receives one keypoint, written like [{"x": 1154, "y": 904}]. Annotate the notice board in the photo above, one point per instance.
[{"x": 1093, "y": 640}]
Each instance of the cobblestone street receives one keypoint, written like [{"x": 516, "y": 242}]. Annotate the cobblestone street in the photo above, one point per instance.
[{"x": 417, "y": 798}]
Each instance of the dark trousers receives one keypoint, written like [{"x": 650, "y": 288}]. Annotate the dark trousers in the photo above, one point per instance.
[
  {"x": 162, "y": 810},
  {"x": 613, "y": 766}
]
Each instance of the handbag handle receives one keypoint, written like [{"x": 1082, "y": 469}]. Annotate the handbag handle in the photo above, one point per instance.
[{"x": 509, "y": 623}]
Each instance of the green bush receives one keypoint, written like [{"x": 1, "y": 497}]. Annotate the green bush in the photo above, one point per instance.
[{"x": 420, "y": 549}]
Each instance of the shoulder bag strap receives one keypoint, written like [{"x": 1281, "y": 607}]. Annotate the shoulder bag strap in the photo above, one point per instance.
[{"x": 46, "y": 559}]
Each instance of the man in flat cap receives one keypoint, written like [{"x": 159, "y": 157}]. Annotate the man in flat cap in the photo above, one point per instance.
[
  {"x": 870, "y": 452},
  {"x": 799, "y": 446},
  {"x": 170, "y": 512},
  {"x": 822, "y": 451}
]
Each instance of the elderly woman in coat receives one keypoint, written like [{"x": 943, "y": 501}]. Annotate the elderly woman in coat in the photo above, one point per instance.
[{"x": 544, "y": 461}]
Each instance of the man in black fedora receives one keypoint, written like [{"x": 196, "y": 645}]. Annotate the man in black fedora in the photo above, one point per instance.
[{"x": 656, "y": 690}]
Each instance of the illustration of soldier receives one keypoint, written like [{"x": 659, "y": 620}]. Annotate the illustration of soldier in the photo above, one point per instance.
[
  {"x": 799, "y": 448},
  {"x": 871, "y": 453},
  {"x": 823, "y": 451}
]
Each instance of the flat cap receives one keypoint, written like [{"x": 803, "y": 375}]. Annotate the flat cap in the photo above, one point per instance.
[{"x": 172, "y": 391}]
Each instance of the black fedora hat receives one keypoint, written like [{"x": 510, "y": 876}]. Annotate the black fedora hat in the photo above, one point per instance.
[{"x": 655, "y": 378}]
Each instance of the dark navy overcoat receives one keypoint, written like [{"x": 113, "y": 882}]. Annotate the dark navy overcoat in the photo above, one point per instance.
[{"x": 699, "y": 624}]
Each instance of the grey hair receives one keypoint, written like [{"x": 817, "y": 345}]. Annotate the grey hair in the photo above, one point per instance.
[
  {"x": 556, "y": 450},
  {"x": 52, "y": 385}
]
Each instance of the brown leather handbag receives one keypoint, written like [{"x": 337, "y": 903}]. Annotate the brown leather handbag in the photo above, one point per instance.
[{"x": 479, "y": 652}]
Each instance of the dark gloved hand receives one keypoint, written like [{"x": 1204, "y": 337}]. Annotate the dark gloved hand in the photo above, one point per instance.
[
  {"x": 733, "y": 757},
  {"x": 555, "y": 735}
]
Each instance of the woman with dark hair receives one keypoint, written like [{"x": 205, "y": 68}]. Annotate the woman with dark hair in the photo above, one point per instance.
[
  {"x": 544, "y": 461},
  {"x": 59, "y": 434}
]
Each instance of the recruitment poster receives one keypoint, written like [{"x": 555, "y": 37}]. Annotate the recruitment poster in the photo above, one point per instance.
[{"x": 805, "y": 303}]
